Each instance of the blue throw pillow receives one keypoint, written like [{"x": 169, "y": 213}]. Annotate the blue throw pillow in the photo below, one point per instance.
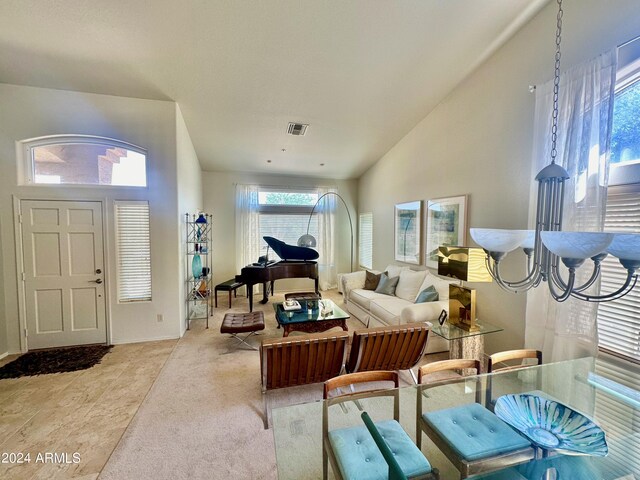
[
  {"x": 387, "y": 285},
  {"x": 429, "y": 294}
]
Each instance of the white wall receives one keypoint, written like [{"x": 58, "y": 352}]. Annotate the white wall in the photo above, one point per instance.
[
  {"x": 3, "y": 319},
  {"x": 478, "y": 141},
  {"x": 29, "y": 112},
  {"x": 189, "y": 176},
  {"x": 219, "y": 199}
]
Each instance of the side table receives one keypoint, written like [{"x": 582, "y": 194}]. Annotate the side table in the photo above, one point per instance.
[{"x": 465, "y": 343}]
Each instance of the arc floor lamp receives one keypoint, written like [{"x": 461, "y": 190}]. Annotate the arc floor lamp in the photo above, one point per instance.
[{"x": 308, "y": 240}]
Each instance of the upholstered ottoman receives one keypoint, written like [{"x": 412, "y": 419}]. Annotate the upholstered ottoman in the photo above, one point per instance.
[{"x": 250, "y": 323}]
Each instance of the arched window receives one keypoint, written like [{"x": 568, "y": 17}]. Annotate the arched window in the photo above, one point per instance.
[{"x": 83, "y": 160}]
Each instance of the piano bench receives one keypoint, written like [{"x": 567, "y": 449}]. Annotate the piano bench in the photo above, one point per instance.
[{"x": 228, "y": 286}]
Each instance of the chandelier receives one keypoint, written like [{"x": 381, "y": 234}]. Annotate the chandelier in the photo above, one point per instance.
[{"x": 547, "y": 245}]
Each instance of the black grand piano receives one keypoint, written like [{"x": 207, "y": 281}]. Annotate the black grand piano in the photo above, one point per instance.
[{"x": 297, "y": 262}]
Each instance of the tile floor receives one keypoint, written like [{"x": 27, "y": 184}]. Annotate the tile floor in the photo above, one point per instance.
[{"x": 83, "y": 412}]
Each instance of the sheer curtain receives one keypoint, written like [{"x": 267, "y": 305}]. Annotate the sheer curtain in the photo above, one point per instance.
[
  {"x": 568, "y": 330},
  {"x": 326, "y": 211},
  {"x": 247, "y": 225}
]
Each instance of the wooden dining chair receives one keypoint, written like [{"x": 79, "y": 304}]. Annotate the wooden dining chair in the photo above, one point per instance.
[
  {"x": 507, "y": 361},
  {"x": 510, "y": 356},
  {"x": 473, "y": 438},
  {"x": 352, "y": 451}
]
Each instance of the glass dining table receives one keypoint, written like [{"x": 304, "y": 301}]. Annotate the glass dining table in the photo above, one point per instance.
[{"x": 583, "y": 385}]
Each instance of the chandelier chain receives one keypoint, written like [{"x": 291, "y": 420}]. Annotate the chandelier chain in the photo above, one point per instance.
[{"x": 556, "y": 84}]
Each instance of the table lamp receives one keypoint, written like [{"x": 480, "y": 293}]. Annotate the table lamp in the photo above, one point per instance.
[{"x": 466, "y": 264}]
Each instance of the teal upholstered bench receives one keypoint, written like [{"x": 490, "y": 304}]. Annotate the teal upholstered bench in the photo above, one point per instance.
[{"x": 358, "y": 456}]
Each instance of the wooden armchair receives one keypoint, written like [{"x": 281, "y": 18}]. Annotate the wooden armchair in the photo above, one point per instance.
[
  {"x": 388, "y": 348},
  {"x": 300, "y": 360},
  {"x": 353, "y": 451},
  {"x": 469, "y": 435}
]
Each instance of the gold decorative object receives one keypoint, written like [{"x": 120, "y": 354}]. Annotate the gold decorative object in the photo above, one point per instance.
[
  {"x": 462, "y": 307},
  {"x": 463, "y": 263}
]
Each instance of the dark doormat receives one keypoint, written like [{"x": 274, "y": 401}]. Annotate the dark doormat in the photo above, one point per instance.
[{"x": 55, "y": 360}]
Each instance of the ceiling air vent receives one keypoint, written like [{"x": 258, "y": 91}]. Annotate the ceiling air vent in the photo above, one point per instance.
[{"x": 297, "y": 128}]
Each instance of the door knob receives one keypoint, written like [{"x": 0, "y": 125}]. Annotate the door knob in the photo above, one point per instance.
[{"x": 97, "y": 281}]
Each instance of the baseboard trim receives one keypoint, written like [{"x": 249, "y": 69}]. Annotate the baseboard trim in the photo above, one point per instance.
[
  {"x": 2, "y": 355},
  {"x": 142, "y": 340}
]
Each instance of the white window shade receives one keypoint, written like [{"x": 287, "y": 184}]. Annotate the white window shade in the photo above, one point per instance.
[
  {"x": 287, "y": 227},
  {"x": 133, "y": 251},
  {"x": 619, "y": 320},
  {"x": 365, "y": 245}
]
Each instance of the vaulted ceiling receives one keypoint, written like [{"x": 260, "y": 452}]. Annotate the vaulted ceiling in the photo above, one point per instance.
[{"x": 362, "y": 73}]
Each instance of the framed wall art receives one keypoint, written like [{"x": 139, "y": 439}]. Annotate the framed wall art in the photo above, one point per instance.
[
  {"x": 407, "y": 232},
  {"x": 446, "y": 225}
]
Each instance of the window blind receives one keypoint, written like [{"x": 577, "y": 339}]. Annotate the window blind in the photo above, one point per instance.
[
  {"x": 619, "y": 320},
  {"x": 619, "y": 413},
  {"x": 133, "y": 251},
  {"x": 365, "y": 245},
  {"x": 287, "y": 227}
]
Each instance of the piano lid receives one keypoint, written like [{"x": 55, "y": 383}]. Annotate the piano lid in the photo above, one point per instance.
[{"x": 291, "y": 252}]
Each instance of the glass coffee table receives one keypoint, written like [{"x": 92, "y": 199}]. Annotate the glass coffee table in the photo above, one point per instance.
[{"x": 310, "y": 318}]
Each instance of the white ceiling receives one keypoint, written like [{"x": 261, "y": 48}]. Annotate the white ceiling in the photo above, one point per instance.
[{"x": 362, "y": 73}]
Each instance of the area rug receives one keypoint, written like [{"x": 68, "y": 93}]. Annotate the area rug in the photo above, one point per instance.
[{"x": 56, "y": 360}]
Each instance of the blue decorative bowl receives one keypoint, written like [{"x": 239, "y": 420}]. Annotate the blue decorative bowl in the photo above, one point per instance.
[{"x": 551, "y": 425}]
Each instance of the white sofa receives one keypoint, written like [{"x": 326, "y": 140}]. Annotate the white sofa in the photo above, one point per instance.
[{"x": 377, "y": 309}]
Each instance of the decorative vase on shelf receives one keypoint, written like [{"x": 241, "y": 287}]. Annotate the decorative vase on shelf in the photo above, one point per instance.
[
  {"x": 200, "y": 221},
  {"x": 196, "y": 266}
]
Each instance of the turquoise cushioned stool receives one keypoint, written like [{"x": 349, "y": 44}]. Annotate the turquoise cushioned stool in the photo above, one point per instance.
[
  {"x": 475, "y": 433},
  {"x": 358, "y": 456}
]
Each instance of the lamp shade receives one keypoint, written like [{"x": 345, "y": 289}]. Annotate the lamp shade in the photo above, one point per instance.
[
  {"x": 625, "y": 246},
  {"x": 464, "y": 263},
  {"x": 579, "y": 245},
  {"x": 307, "y": 240},
  {"x": 497, "y": 240}
]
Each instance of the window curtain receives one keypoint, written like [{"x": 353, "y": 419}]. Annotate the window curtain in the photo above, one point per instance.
[
  {"x": 247, "y": 225},
  {"x": 568, "y": 330},
  {"x": 326, "y": 211}
]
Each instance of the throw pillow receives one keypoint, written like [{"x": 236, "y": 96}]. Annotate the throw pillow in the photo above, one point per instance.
[
  {"x": 429, "y": 294},
  {"x": 387, "y": 284},
  {"x": 442, "y": 285},
  {"x": 409, "y": 284},
  {"x": 372, "y": 280}
]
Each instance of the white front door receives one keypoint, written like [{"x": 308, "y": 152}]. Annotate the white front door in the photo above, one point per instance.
[{"x": 63, "y": 273}]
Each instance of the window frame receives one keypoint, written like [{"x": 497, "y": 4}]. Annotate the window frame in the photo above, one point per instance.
[
  {"x": 283, "y": 209},
  {"x": 26, "y": 167},
  {"x": 624, "y": 179}
]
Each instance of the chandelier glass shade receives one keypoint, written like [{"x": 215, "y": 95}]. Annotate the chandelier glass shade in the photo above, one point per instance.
[{"x": 553, "y": 255}]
